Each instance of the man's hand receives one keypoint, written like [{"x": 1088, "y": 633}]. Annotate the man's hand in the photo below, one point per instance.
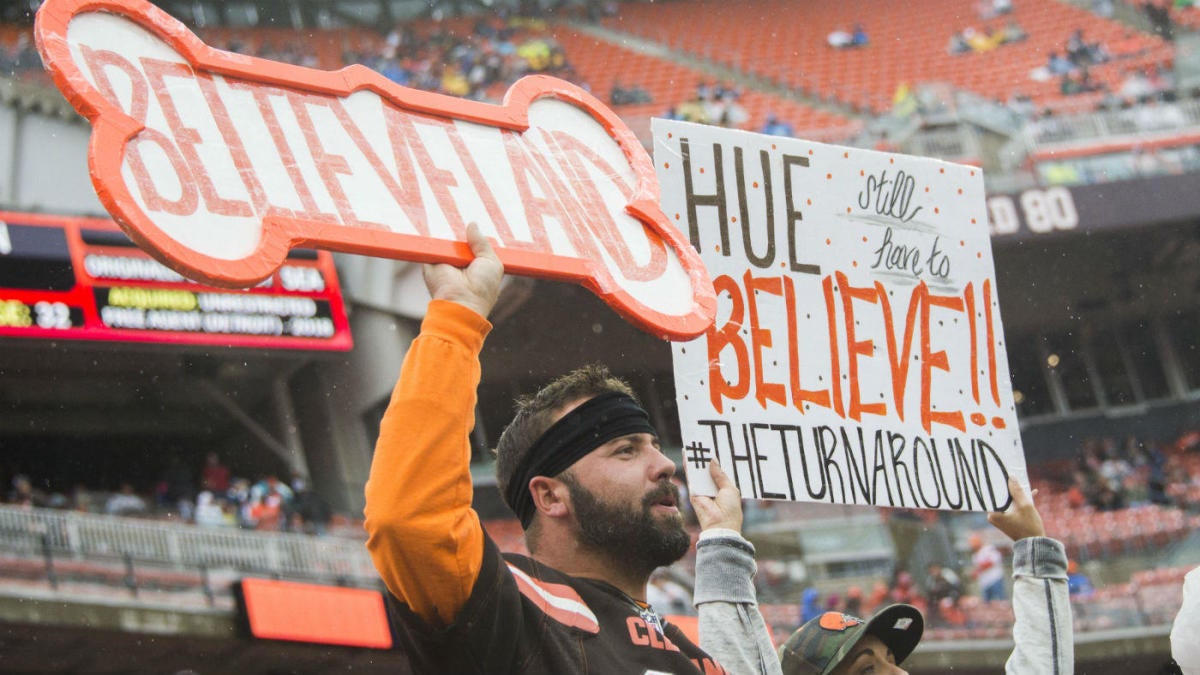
[
  {"x": 1022, "y": 519},
  {"x": 475, "y": 286},
  {"x": 723, "y": 510}
]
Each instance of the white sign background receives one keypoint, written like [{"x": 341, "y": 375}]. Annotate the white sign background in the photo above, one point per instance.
[{"x": 858, "y": 355}]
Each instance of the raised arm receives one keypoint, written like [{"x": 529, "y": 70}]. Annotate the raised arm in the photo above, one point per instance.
[
  {"x": 732, "y": 629},
  {"x": 425, "y": 540},
  {"x": 1043, "y": 633}
]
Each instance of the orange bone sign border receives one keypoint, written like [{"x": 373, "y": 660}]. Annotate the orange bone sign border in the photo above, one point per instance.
[{"x": 218, "y": 163}]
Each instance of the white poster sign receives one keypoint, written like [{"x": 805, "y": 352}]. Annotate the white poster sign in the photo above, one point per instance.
[{"x": 857, "y": 355}]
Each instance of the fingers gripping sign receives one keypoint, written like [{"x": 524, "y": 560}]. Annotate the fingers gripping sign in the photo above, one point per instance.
[
  {"x": 1021, "y": 519},
  {"x": 475, "y": 286},
  {"x": 724, "y": 510}
]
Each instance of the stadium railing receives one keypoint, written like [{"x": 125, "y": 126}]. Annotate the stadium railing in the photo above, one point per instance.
[
  {"x": 35, "y": 533},
  {"x": 1086, "y": 129}
]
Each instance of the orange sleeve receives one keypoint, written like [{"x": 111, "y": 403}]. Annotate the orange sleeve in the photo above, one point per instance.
[{"x": 424, "y": 538}]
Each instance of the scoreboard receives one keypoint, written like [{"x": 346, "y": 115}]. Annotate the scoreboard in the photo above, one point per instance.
[{"x": 83, "y": 279}]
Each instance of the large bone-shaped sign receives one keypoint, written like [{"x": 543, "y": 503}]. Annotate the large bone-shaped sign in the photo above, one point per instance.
[{"x": 219, "y": 163}]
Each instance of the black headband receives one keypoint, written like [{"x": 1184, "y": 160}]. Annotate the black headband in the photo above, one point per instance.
[{"x": 590, "y": 425}]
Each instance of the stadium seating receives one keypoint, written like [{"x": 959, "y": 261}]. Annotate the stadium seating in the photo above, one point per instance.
[
  {"x": 601, "y": 64},
  {"x": 908, "y": 44}
]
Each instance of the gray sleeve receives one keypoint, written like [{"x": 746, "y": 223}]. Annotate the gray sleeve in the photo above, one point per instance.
[
  {"x": 732, "y": 630},
  {"x": 1043, "y": 633}
]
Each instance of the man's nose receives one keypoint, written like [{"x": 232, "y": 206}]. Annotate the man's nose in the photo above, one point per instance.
[{"x": 662, "y": 466}]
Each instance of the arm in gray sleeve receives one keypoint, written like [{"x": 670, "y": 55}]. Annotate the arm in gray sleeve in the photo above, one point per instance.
[
  {"x": 732, "y": 630},
  {"x": 1043, "y": 634}
]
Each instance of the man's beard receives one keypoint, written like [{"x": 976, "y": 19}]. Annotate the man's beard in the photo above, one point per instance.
[{"x": 633, "y": 537}]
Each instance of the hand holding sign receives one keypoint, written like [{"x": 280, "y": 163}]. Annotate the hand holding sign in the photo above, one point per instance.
[
  {"x": 1022, "y": 519},
  {"x": 478, "y": 285},
  {"x": 723, "y": 510},
  {"x": 218, "y": 163}
]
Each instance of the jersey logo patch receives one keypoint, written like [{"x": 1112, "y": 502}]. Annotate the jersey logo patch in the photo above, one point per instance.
[{"x": 559, "y": 602}]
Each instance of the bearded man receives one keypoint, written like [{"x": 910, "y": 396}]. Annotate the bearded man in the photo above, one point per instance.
[{"x": 581, "y": 467}]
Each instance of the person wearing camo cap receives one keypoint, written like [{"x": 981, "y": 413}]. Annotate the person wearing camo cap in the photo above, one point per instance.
[
  {"x": 826, "y": 643},
  {"x": 841, "y": 644}
]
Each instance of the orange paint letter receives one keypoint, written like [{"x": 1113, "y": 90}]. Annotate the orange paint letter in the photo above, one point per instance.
[
  {"x": 856, "y": 348},
  {"x": 727, "y": 336}
]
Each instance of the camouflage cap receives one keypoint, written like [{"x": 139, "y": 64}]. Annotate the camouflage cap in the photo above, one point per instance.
[{"x": 817, "y": 647}]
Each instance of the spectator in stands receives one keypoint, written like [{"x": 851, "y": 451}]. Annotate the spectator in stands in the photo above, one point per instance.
[
  {"x": 693, "y": 111},
  {"x": 983, "y": 41},
  {"x": 238, "y": 497},
  {"x": 833, "y": 603},
  {"x": 810, "y": 604},
  {"x": 854, "y": 601},
  {"x": 81, "y": 499},
  {"x": 1085, "y": 53},
  {"x": 903, "y": 590},
  {"x": 987, "y": 568},
  {"x": 726, "y": 113},
  {"x": 1079, "y": 82},
  {"x": 1077, "y": 50},
  {"x": 208, "y": 510},
  {"x": 308, "y": 512},
  {"x": 1042, "y": 633},
  {"x": 990, "y": 9},
  {"x": 1078, "y": 583},
  {"x": 176, "y": 491},
  {"x": 394, "y": 71},
  {"x": 1104, "y": 8},
  {"x": 23, "y": 493},
  {"x": 858, "y": 38},
  {"x": 1159, "y": 13},
  {"x": 1108, "y": 499},
  {"x": 634, "y": 94},
  {"x": 1013, "y": 32},
  {"x": 1135, "y": 87},
  {"x": 839, "y": 38},
  {"x": 728, "y": 92},
  {"x": 958, "y": 45},
  {"x": 617, "y": 95},
  {"x": 125, "y": 502},
  {"x": 269, "y": 484},
  {"x": 1080, "y": 493},
  {"x": 942, "y": 591},
  {"x": 1114, "y": 469},
  {"x": 1156, "y": 475},
  {"x": 1057, "y": 64},
  {"x": 214, "y": 477},
  {"x": 267, "y": 513},
  {"x": 776, "y": 127}
]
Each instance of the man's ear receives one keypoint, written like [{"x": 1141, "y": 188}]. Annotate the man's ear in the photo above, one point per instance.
[{"x": 550, "y": 496}]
